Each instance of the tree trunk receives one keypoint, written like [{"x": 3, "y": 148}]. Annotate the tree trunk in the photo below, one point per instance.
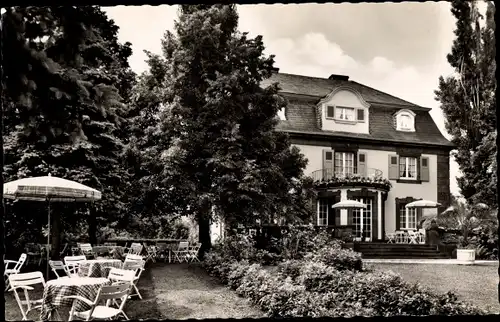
[
  {"x": 55, "y": 233},
  {"x": 204, "y": 231},
  {"x": 92, "y": 222}
]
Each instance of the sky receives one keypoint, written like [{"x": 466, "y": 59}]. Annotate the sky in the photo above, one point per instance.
[{"x": 398, "y": 48}]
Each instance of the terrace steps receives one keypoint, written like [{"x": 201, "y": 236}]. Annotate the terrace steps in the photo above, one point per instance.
[{"x": 399, "y": 251}]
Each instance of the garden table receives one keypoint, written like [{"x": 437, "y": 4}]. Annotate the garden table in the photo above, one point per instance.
[
  {"x": 56, "y": 290},
  {"x": 98, "y": 267}
]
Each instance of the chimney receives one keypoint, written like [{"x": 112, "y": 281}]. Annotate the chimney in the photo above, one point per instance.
[
  {"x": 338, "y": 77},
  {"x": 275, "y": 69}
]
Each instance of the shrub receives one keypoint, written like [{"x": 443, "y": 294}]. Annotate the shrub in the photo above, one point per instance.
[
  {"x": 341, "y": 259},
  {"x": 314, "y": 288}
]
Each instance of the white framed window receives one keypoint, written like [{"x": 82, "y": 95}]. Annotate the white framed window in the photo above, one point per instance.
[
  {"x": 407, "y": 218},
  {"x": 322, "y": 212},
  {"x": 408, "y": 168},
  {"x": 405, "y": 121},
  {"x": 344, "y": 113},
  {"x": 344, "y": 163}
]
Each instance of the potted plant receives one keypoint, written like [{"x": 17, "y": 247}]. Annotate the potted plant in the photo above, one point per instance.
[{"x": 466, "y": 218}]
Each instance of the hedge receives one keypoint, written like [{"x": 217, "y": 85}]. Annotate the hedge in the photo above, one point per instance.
[{"x": 330, "y": 283}]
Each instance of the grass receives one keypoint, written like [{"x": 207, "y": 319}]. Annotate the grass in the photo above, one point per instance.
[
  {"x": 186, "y": 291},
  {"x": 477, "y": 284}
]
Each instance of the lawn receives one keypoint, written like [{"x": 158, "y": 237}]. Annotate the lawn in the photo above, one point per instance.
[
  {"x": 476, "y": 284},
  {"x": 170, "y": 291}
]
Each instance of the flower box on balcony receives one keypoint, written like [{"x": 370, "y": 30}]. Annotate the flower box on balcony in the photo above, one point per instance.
[{"x": 358, "y": 181}]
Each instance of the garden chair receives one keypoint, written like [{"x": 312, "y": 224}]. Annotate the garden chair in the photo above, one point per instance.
[
  {"x": 108, "y": 293},
  {"x": 400, "y": 236},
  {"x": 138, "y": 268},
  {"x": 72, "y": 264},
  {"x": 391, "y": 238},
  {"x": 151, "y": 253},
  {"x": 58, "y": 265},
  {"x": 117, "y": 275},
  {"x": 135, "y": 249},
  {"x": 181, "y": 251},
  {"x": 24, "y": 281},
  {"x": 87, "y": 250},
  {"x": 15, "y": 270},
  {"x": 412, "y": 237},
  {"x": 133, "y": 258},
  {"x": 192, "y": 253},
  {"x": 33, "y": 251},
  {"x": 421, "y": 233}
]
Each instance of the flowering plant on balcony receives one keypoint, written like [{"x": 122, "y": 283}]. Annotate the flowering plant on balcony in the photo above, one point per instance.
[{"x": 349, "y": 180}]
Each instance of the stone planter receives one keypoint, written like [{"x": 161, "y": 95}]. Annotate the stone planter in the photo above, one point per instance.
[{"x": 466, "y": 256}]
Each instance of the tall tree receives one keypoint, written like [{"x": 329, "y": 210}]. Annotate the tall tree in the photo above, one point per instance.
[
  {"x": 468, "y": 101},
  {"x": 74, "y": 136},
  {"x": 220, "y": 153}
]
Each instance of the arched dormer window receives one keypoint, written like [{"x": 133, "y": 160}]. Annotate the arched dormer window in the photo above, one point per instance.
[{"x": 405, "y": 121}]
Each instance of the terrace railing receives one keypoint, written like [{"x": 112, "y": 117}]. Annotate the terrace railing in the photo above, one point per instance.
[{"x": 328, "y": 174}]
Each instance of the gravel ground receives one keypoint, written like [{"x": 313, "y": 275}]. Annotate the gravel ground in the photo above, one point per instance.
[{"x": 186, "y": 291}]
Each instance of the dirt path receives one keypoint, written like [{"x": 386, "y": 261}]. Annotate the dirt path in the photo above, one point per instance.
[{"x": 186, "y": 291}]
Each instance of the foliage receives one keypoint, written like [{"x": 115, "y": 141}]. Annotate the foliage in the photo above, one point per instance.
[
  {"x": 220, "y": 153},
  {"x": 468, "y": 101},
  {"x": 341, "y": 259},
  {"x": 69, "y": 123},
  {"x": 307, "y": 288},
  {"x": 372, "y": 182},
  {"x": 468, "y": 218}
]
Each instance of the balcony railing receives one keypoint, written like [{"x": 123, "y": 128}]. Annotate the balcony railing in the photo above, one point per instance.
[{"x": 331, "y": 178}]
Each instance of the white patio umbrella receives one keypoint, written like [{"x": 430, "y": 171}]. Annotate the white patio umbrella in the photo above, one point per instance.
[
  {"x": 349, "y": 204},
  {"x": 421, "y": 204},
  {"x": 49, "y": 189}
]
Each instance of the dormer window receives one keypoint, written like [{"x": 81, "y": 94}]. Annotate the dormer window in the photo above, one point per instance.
[
  {"x": 342, "y": 113},
  {"x": 405, "y": 121}
]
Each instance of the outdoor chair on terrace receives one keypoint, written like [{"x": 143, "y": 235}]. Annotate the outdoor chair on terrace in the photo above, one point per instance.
[
  {"x": 138, "y": 268},
  {"x": 58, "y": 265},
  {"x": 14, "y": 270},
  {"x": 34, "y": 252},
  {"x": 133, "y": 258},
  {"x": 181, "y": 251},
  {"x": 391, "y": 238},
  {"x": 192, "y": 253},
  {"x": 135, "y": 249},
  {"x": 117, "y": 275},
  {"x": 24, "y": 281},
  {"x": 151, "y": 253},
  {"x": 109, "y": 294},
  {"x": 87, "y": 250},
  {"x": 72, "y": 264},
  {"x": 400, "y": 236},
  {"x": 412, "y": 237}
]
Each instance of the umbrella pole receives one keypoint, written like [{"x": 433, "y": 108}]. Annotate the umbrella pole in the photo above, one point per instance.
[{"x": 48, "y": 246}]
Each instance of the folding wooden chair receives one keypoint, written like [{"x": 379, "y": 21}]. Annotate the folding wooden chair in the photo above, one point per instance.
[
  {"x": 108, "y": 293},
  {"x": 181, "y": 251},
  {"x": 391, "y": 238},
  {"x": 72, "y": 264},
  {"x": 58, "y": 265},
  {"x": 24, "y": 281},
  {"x": 135, "y": 249},
  {"x": 138, "y": 268},
  {"x": 34, "y": 252},
  {"x": 15, "y": 270},
  {"x": 118, "y": 275},
  {"x": 87, "y": 250},
  {"x": 192, "y": 253},
  {"x": 151, "y": 253},
  {"x": 412, "y": 237}
]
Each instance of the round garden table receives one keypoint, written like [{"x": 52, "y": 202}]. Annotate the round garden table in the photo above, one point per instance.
[
  {"x": 98, "y": 267},
  {"x": 56, "y": 290}
]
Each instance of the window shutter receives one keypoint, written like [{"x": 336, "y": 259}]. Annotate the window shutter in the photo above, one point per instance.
[
  {"x": 330, "y": 111},
  {"x": 362, "y": 164},
  {"x": 328, "y": 157},
  {"x": 398, "y": 213},
  {"x": 424, "y": 169},
  {"x": 361, "y": 115},
  {"x": 393, "y": 167}
]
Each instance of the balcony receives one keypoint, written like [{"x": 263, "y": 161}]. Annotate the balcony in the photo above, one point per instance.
[{"x": 328, "y": 178}]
